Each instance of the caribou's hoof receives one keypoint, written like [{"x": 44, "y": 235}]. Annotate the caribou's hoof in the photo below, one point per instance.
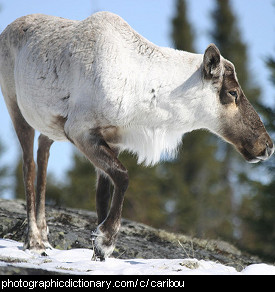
[
  {"x": 34, "y": 245},
  {"x": 47, "y": 245},
  {"x": 98, "y": 255},
  {"x": 102, "y": 246}
]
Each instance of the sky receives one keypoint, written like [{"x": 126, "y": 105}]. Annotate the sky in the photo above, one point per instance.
[{"x": 152, "y": 19}]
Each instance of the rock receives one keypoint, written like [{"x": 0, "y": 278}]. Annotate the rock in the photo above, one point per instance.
[
  {"x": 71, "y": 228},
  {"x": 12, "y": 270}
]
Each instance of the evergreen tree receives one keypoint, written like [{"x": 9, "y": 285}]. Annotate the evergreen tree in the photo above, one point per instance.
[
  {"x": 182, "y": 33},
  {"x": 146, "y": 195},
  {"x": 227, "y": 37},
  {"x": 268, "y": 111},
  {"x": 257, "y": 208},
  {"x": 80, "y": 188},
  {"x": 201, "y": 205},
  {"x": 256, "y": 211}
]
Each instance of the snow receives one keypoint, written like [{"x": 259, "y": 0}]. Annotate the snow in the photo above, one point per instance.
[{"x": 78, "y": 262}]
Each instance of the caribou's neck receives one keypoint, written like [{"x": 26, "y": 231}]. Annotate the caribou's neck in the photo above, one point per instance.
[{"x": 180, "y": 98}]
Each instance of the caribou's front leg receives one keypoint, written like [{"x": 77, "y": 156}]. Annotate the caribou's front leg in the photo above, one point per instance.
[
  {"x": 43, "y": 153},
  {"x": 103, "y": 196},
  {"x": 105, "y": 159}
]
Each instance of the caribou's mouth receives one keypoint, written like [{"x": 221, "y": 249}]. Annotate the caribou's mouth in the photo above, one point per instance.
[
  {"x": 254, "y": 160},
  {"x": 264, "y": 155}
]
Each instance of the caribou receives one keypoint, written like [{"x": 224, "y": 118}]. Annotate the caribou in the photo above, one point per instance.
[{"x": 100, "y": 85}]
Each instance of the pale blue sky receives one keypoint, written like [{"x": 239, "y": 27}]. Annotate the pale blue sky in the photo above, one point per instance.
[{"x": 151, "y": 18}]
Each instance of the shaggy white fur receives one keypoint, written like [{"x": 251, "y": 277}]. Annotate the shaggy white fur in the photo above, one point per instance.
[
  {"x": 72, "y": 76},
  {"x": 100, "y": 73}
]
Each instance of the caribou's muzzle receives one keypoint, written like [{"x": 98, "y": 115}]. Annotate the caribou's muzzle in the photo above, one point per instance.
[
  {"x": 261, "y": 150},
  {"x": 266, "y": 153}
]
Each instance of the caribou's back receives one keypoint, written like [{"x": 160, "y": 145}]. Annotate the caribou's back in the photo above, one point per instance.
[
  {"x": 97, "y": 72},
  {"x": 32, "y": 59}
]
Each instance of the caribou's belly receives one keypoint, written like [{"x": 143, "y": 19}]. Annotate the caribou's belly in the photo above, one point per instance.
[{"x": 42, "y": 118}]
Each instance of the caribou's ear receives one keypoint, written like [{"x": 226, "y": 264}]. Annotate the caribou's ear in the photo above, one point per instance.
[{"x": 212, "y": 62}]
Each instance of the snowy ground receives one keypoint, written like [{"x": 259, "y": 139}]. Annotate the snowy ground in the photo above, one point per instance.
[{"x": 78, "y": 261}]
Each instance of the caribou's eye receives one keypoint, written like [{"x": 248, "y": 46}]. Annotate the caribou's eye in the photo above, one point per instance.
[{"x": 234, "y": 93}]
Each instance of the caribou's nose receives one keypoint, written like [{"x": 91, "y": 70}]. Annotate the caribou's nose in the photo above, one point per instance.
[
  {"x": 267, "y": 152},
  {"x": 270, "y": 150}
]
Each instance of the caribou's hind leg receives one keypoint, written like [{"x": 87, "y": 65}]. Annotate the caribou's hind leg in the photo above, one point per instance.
[
  {"x": 43, "y": 153},
  {"x": 104, "y": 158},
  {"x": 25, "y": 135}
]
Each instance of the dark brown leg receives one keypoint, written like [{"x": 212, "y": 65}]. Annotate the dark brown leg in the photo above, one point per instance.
[
  {"x": 105, "y": 159},
  {"x": 43, "y": 153},
  {"x": 25, "y": 135},
  {"x": 103, "y": 193},
  {"x": 103, "y": 196}
]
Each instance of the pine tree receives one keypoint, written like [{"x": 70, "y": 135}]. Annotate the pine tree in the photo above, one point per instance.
[
  {"x": 201, "y": 208},
  {"x": 227, "y": 36},
  {"x": 80, "y": 187},
  {"x": 268, "y": 111},
  {"x": 257, "y": 209},
  {"x": 145, "y": 197},
  {"x": 182, "y": 34}
]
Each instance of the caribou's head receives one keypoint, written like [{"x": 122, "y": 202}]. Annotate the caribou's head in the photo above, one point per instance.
[{"x": 239, "y": 124}]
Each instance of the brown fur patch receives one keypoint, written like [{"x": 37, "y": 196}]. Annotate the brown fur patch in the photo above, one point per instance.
[
  {"x": 241, "y": 125},
  {"x": 110, "y": 134}
]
